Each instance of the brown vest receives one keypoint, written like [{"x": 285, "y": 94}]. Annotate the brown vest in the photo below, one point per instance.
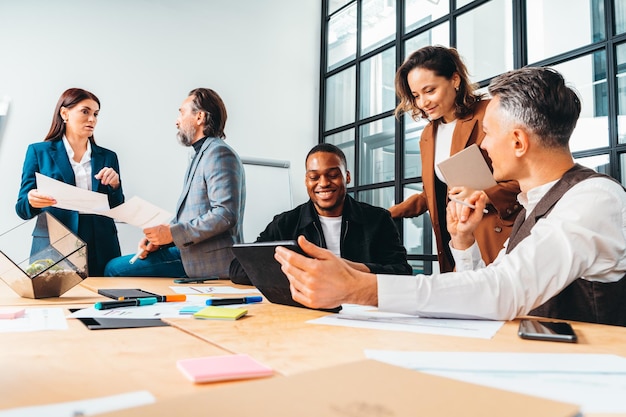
[{"x": 582, "y": 300}]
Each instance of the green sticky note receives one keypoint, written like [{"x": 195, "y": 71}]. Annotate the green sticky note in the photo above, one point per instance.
[{"x": 220, "y": 313}]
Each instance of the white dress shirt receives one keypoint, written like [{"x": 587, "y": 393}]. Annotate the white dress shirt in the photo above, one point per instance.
[
  {"x": 583, "y": 236},
  {"x": 82, "y": 169}
]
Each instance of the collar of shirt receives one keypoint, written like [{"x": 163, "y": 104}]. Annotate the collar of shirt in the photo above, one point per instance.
[
  {"x": 197, "y": 145},
  {"x": 530, "y": 198},
  {"x": 70, "y": 152}
]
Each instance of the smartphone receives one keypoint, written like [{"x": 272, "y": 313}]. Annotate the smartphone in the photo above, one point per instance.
[{"x": 557, "y": 331}]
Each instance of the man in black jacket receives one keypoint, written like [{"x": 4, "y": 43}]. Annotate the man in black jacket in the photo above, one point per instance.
[{"x": 364, "y": 236}]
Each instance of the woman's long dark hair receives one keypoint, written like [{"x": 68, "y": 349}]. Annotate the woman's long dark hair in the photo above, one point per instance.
[
  {"x": 70, "y": 98},
  {"x": 444, "y": 62}
]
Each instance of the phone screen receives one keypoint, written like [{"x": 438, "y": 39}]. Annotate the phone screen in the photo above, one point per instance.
[{"x": 547, "y": 330}]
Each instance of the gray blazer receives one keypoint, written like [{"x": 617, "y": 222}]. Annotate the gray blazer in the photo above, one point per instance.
[{"x": 209, "y": 213}]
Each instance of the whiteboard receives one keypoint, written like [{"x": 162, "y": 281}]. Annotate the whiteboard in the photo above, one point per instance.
[{"x": 268, "y": 193}]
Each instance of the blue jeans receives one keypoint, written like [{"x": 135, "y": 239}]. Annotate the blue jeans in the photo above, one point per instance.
[{"x": 164, "y": 262}]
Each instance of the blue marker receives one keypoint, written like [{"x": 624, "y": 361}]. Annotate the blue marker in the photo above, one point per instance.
[
  {"x": 105, "y": 305},
  {"x": 229, "y": 301}
]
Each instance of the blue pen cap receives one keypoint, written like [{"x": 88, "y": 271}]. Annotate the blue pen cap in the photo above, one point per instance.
[{"x": 254, "y": 299}]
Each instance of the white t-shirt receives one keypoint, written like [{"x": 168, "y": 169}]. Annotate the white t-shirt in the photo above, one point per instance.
[
  {"x": 331, "y": 227},
  {"x": 443, "y": 143}
]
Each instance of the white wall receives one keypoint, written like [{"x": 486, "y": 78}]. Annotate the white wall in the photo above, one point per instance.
[{"x": 141, "y": 58}]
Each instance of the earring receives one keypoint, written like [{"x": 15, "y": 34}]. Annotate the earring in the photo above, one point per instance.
[
  {"x": 64, "y": 120},
  {"x": 456, "y": 89}
]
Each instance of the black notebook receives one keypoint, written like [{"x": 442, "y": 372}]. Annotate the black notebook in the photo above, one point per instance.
[{"x": 257, "y": 259}]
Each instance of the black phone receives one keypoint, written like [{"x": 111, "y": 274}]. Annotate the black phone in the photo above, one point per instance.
[{"x": 557, "y": 331}]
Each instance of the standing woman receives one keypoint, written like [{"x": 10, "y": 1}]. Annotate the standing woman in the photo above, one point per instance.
[
  {"x": 69, "y": 154},
  {"x": 433, "y": 83}
]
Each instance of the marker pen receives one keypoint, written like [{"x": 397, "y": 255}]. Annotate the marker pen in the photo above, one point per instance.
[
  {"x": 105, "y": 305},
  {"x": 463, "y": 203},
  {"x": 195, "y": 280},
  {"x": 138, "y": 254},
  {"x": 229, "y": 301}
]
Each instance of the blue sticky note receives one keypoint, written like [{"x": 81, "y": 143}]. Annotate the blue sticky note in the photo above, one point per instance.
[{"x": 190, "y": 309}]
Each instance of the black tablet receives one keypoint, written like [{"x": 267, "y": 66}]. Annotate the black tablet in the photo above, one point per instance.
[{"x": 257, "y": 259}]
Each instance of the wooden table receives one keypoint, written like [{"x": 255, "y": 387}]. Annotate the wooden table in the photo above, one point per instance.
[{"x": 55, "y": 366}]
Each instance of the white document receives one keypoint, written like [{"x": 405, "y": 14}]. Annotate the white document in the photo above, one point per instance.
[
  {"x": 88, "y": 407},
  {"x": 140, "y": 213},
  {"x": 135, "y": 211},
  {"x": 596, "y": 382},
  {"x": 370, "y": 318},
  {"x": 70, "y": 197},
  {"x": 467, "y": 168}
]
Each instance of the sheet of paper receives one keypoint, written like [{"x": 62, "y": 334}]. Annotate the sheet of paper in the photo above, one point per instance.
[
  {"x": 134, "y": 211},
  {"x": 371, "y": 318},
  {"x": 467, "y": 168},
  {"x": 88, "y": 407},
  {"x": 35, "y": 319},
  {"x": 70, "y": 197},
  {"x": 594, "y": 381},
  {"x": 140, "y": 213}
]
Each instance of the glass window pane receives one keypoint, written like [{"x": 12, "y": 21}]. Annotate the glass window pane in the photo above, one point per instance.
[
  {"x": 461, "y": 3},
  {"x": 378, "y": 23},
  {"x": 588, "y": 76},
  {"x": 599, "y": 163},
  {"x": 620, "y": 53},
  {"x": 340, "y": 98},
  {"x": 418, "y": 13},
  {"x": 622, "y": 159},
  {"x": 418, "y": 236},
  {"x": 377, "y": 151},
  {"x": 377, "y": 88},
  {"x": 342, "y": 38},
  {"x": 549, "y": 26},
  {"x": 334, "y": 5},
  {"x": 439, "y": 35},
  {"x": 474, "y": 33},
  {"x": 620, "y": 16},
  {"x": 412, "y": 156},
  {"x": 344, "y": 141},
  {"x": 380, "y": 197}
]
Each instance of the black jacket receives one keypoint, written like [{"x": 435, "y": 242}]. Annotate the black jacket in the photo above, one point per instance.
[{"x": 368, "y": 236}]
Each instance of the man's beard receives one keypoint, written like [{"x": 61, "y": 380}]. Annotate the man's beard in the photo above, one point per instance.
[{"x": 185, "y": 136}]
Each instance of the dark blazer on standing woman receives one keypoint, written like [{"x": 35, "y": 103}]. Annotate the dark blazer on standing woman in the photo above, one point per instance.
[{"x": 99, "y": 232}]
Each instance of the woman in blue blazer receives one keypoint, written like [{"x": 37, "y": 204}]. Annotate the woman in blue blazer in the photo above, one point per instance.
[{"x": 69, "y": 154}]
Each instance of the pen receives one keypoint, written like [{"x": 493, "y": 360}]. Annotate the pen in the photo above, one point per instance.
[
  {"x": 161, "y": 298},
  {"x": 463, "y": 203},
  {"x": 138, "y": 254},
  {"x": 105, "y": 305},
  {"x": 228, "y": 301},
  {"x": 196, "y": 280}
]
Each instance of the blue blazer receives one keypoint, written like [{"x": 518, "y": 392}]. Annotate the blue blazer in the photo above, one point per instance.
[{"x": 99, "y": 232}]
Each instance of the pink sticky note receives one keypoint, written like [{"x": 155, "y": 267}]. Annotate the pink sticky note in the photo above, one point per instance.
[
  {"x": 223, "y": 367},
  {"x": 11, "y": 313}
]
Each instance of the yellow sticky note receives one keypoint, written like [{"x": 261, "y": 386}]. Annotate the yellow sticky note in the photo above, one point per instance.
[{"x": 220, "y": 313}]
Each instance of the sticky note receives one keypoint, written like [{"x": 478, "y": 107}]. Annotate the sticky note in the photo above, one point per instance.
[
  {"x": 11, "y": 313},
  {"x": 222, "y": 367},
  {"x": 220, "y": 313}
]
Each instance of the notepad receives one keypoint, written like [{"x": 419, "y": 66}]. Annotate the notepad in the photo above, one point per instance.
[
  {"x": 467, "y": 168},
  {"x": 222, "y": 368},
  {"x": 220, "y": 313}
]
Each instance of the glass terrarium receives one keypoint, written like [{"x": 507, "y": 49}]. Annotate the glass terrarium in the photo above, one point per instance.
[{"x": 41, "y": 258}]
